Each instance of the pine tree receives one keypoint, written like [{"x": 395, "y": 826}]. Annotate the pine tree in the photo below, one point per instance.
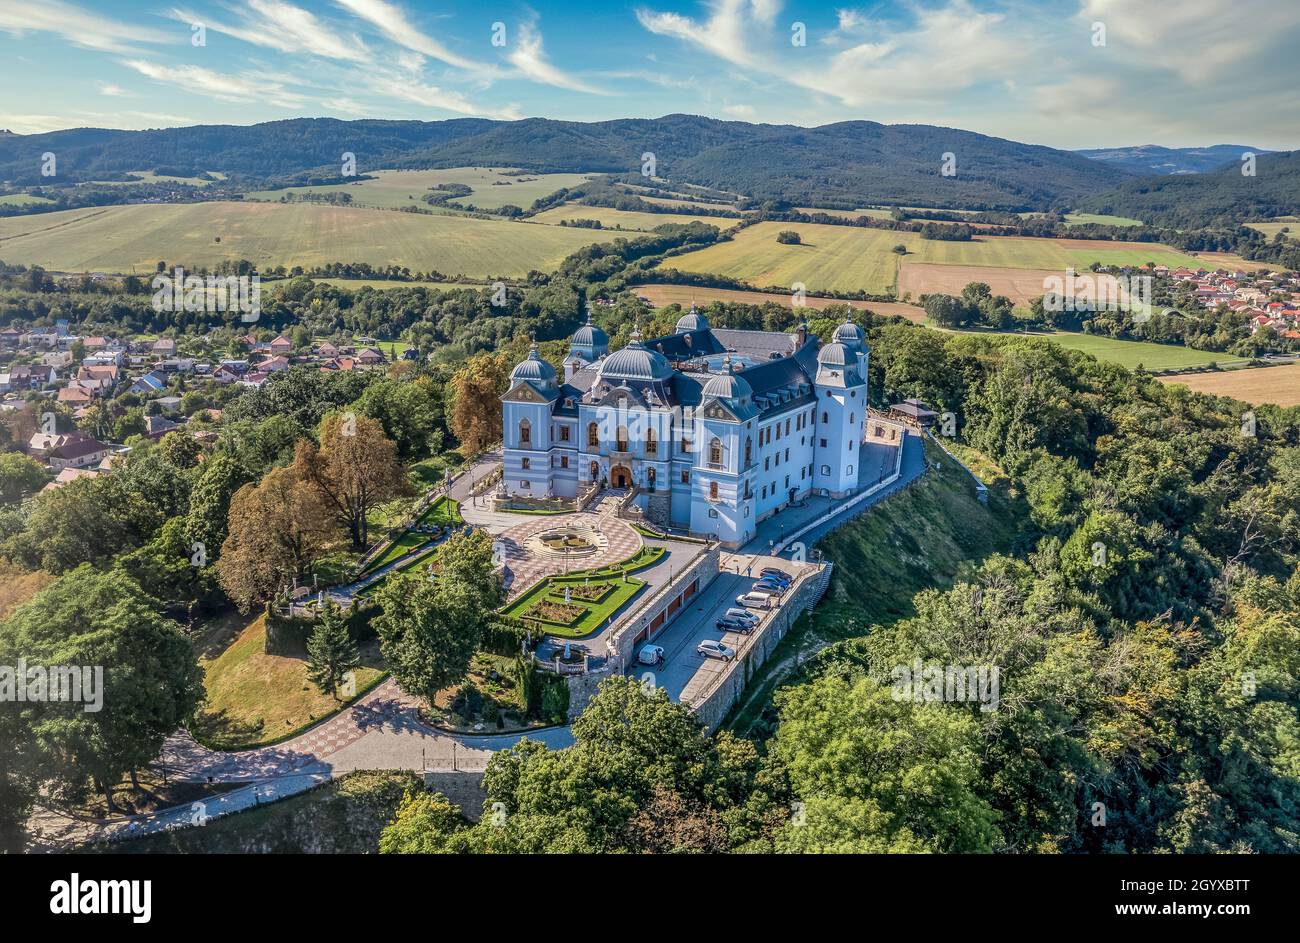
[{"x": 331, "y": 652}]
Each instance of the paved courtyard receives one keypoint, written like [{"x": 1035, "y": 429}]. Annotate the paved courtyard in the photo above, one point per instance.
[{"x": 526, "y": 562}]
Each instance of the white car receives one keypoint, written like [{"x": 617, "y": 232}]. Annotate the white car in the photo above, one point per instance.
[
  {"x": 650, "y": 655},
  {"x": 754, "y": 601},
  {"x": 711, "y": 649}
]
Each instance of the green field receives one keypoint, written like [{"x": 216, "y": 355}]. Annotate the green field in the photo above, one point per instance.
[
  {"x": 397, "y": 188},
  {"x": 1081, "y": 219},
  {"x": 1289, "y": 223},
  {"x": 135, "y": 237},
  {"x": 148, "y": 176},
  {"x": 846, "y": 258},
  {"x": 1130, "y": 354},
  {"x": 627, "y": 219},
  {"x": 22, "y": 199}
]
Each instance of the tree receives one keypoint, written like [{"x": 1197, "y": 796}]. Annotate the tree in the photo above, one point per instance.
[
  {"x": 425, "y": 824},
  {"x": 20, "y": 476},
  {"x": 947, "y": 311},
  {"x": 206, "y": 522},
  {"x": 151, "y": 682},
  {"x": 277, "y": 529},
  {"x": 180, "y": 449},
  {"x": 354, "y": 470},
  {"x": 788, "y": 237},
  {"x": 331, "y": 652},
  {"x": 409, "y": 413},
  {"x": 474, "y": 405}
]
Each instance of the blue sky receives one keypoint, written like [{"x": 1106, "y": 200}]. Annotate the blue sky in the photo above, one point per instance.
[{"x": 1179, "y": 74}]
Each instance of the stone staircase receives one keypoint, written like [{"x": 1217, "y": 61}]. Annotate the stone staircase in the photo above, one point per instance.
[{"x": 608, "y": 503}]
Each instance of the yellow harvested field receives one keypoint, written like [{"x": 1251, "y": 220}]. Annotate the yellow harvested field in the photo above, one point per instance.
[
  {"x": 1021, "y": 285},
  {"x": 1279, "y": 386},
  {"x": 626, "y": 219},
  {"x": 685, "y": 295},
  {"x": 389, "y": 189},
  {"x": 848, "y": 258}
]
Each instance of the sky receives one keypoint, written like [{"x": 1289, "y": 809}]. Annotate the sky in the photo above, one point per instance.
[{"x": 1065, "y": 73}]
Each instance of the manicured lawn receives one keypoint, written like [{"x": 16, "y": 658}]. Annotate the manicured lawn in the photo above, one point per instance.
[
  {"x": 594, "y": 614},
  {"x": 444, "y": 512},
  {"x": 400, "y": 547},
  {"x": 255, "y": 699}
]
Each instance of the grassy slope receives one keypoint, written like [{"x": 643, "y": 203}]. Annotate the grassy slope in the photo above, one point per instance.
[
  {"x": 627, "y": 219},
  {"x": 918, "y": 539},
  {"x": 255, "y": 698},
  {"x": 118, "y": 238},
  {"x": 395, "y": 188}
]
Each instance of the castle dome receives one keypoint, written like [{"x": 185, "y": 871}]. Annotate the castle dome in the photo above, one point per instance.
[
  {"x": 692, "y": 321},
  {"x": 727, "y": 385},
  {"x": 636, "y": 362},
  {"x": 834, "y": 355},
  {"x": 849, "y": 333},
  {"x": 534, "y": 368}
]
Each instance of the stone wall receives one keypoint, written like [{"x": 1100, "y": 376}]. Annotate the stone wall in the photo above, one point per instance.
[
  {"x": 713, "y": 704},
  {"x": 464, "y": 789}
]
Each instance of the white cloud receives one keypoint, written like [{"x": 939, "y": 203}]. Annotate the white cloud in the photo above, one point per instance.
[
  {"x": 723, "y": 34},
  {"x": 218, "y": 85},
  {"x": 527, "y": 56},
  {"x": 284, "y": 27},
  {"x": 76, "y": 25},
  {"x": 113, "y": 91},
  {"x": 390, "y": 20},
  {"x": 746, "y": 112},
  {"x": 403, "y": 88}
]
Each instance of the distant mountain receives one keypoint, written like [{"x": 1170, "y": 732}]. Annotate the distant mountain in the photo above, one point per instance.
[
  {"x": 1222, "y": 198},
  {"x": 848, "y": 164},
  {"x": 1153, "y": 159}
]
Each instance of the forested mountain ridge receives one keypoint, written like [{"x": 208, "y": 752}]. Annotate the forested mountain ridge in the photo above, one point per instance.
[
  {"x": 1154, "y": 159},
  {"x": 850, "y": 163}
]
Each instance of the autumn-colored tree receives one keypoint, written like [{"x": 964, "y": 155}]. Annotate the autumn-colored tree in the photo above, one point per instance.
[
  {"x": 474, "y": 401},
  {"x": 278, "y": 528},
  {"x": 354, "y": 470}
]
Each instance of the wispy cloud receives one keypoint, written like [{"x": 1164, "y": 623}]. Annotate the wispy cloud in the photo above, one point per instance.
[
  {"x": 391, "y": 21},
  {"x": 219, "y": 85},
  {"x": 284, "y": 27},
  {"x": 526, "y": 55},
  {"x": 76, "y": 25}
]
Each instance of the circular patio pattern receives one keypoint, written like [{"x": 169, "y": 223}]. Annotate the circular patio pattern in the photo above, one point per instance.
[{"x": 528, "y": 557}]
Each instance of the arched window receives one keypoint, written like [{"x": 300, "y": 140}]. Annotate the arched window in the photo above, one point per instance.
[
  {"x": 650, "y": 478},
  {"x": 620, "y": 442},
  {"x": 525, "y": 433},
  {"x": 713, "y": 491},
  {"x": 749, "y": 450},
  {"x": 715, "y": 452},
  {"x": 595, "y": 470},
  {"x": 826, "y": 469},
  {"x": 651, "y": 444},
  {"x": 593, "y": 435},
  {"x": 825, "y": 417}
]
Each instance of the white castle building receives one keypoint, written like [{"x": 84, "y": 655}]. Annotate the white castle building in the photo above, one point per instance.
[{"x": 714, "y": 429}]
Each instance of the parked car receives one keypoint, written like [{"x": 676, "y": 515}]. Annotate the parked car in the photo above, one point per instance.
[
  {"x": 755, "y": 601},
  {"x": 736, "y": 612},
  {"x": 743, "y": 626},
  {"x": 772, "y": 588},
  {"x": 713, "y": 649},
  {"x": 773, "y": 573},
  {"x": 650, "y": 655}
]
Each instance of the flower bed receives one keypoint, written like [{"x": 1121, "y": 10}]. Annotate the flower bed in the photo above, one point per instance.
[
  {"x": 555, "y": 613},
  {"x": 587, "y": 592}
]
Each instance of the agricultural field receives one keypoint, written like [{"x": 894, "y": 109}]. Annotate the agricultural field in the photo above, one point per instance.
[
  {"x": 135, "y": 237},
  {"x": 874, "y": 212},
  {"x": 1020, "y": 285},
  {"x": 1287, "y": 225},
  {"x": 845, "y": 258},
  {"x": 148, "y": 176},
  {"x": 1132, "y": 354},
  {"x": 1082, "y": 219},
  {"x": 22, "y": 199},
  {"x": 685, "y": 295},
  {"x": 1279, "y": 386},
  {"x": 626, "y": 219},
  {"x": 397, "y": 188}
]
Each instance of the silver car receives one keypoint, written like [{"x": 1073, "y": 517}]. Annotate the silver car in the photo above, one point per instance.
[{"x": 713, "y": 649}]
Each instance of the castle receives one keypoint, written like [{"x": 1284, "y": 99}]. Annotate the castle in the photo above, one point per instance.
[{"x": 712, "y": 429}]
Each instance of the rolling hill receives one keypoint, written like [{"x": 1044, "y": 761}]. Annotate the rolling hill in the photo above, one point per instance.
[
  {"x": 1154, "y": 159},
  {"x": 847, "y": 164}
]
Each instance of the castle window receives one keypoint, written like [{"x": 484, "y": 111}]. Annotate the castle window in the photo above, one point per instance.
[
  {"x": 686, "y": 477},
  {"x": 715, "y": 452},
  {"x": 564, "y": 433},
  {"x": 822, "y": 443},
  {"x": 849, "y": 470},
  {"x": 524, "y": 485},
  {"x": 787, "y": 427},
  {"x": 826, "y": 469},
  {"x": 528, "y": 463},
  {"x": 620, "y": 443},
  {"x": 713, "y": 491},
  {"x": 564, "y": 461},
  {"x": 825, "y": 417},
  {"x": 525, "y": 433},
  {"x": 593, "y": 435},
  {"x": 687, "y": 445},
  {"x": 651, "y": 444},
  {"x": 852, "y": 418},
  {"x": 650, "y": 478},
  {"x": 749, "y": 450},
  {"x": 595, "y": 470}
]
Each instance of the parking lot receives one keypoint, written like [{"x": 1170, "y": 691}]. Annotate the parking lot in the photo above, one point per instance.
[{"x": 682, "y": 663}]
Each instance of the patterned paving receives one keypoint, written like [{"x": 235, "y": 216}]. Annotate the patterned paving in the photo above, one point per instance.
[
  {"x": 524, "y": 568},
  {"x": 385, "y": 706}
]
